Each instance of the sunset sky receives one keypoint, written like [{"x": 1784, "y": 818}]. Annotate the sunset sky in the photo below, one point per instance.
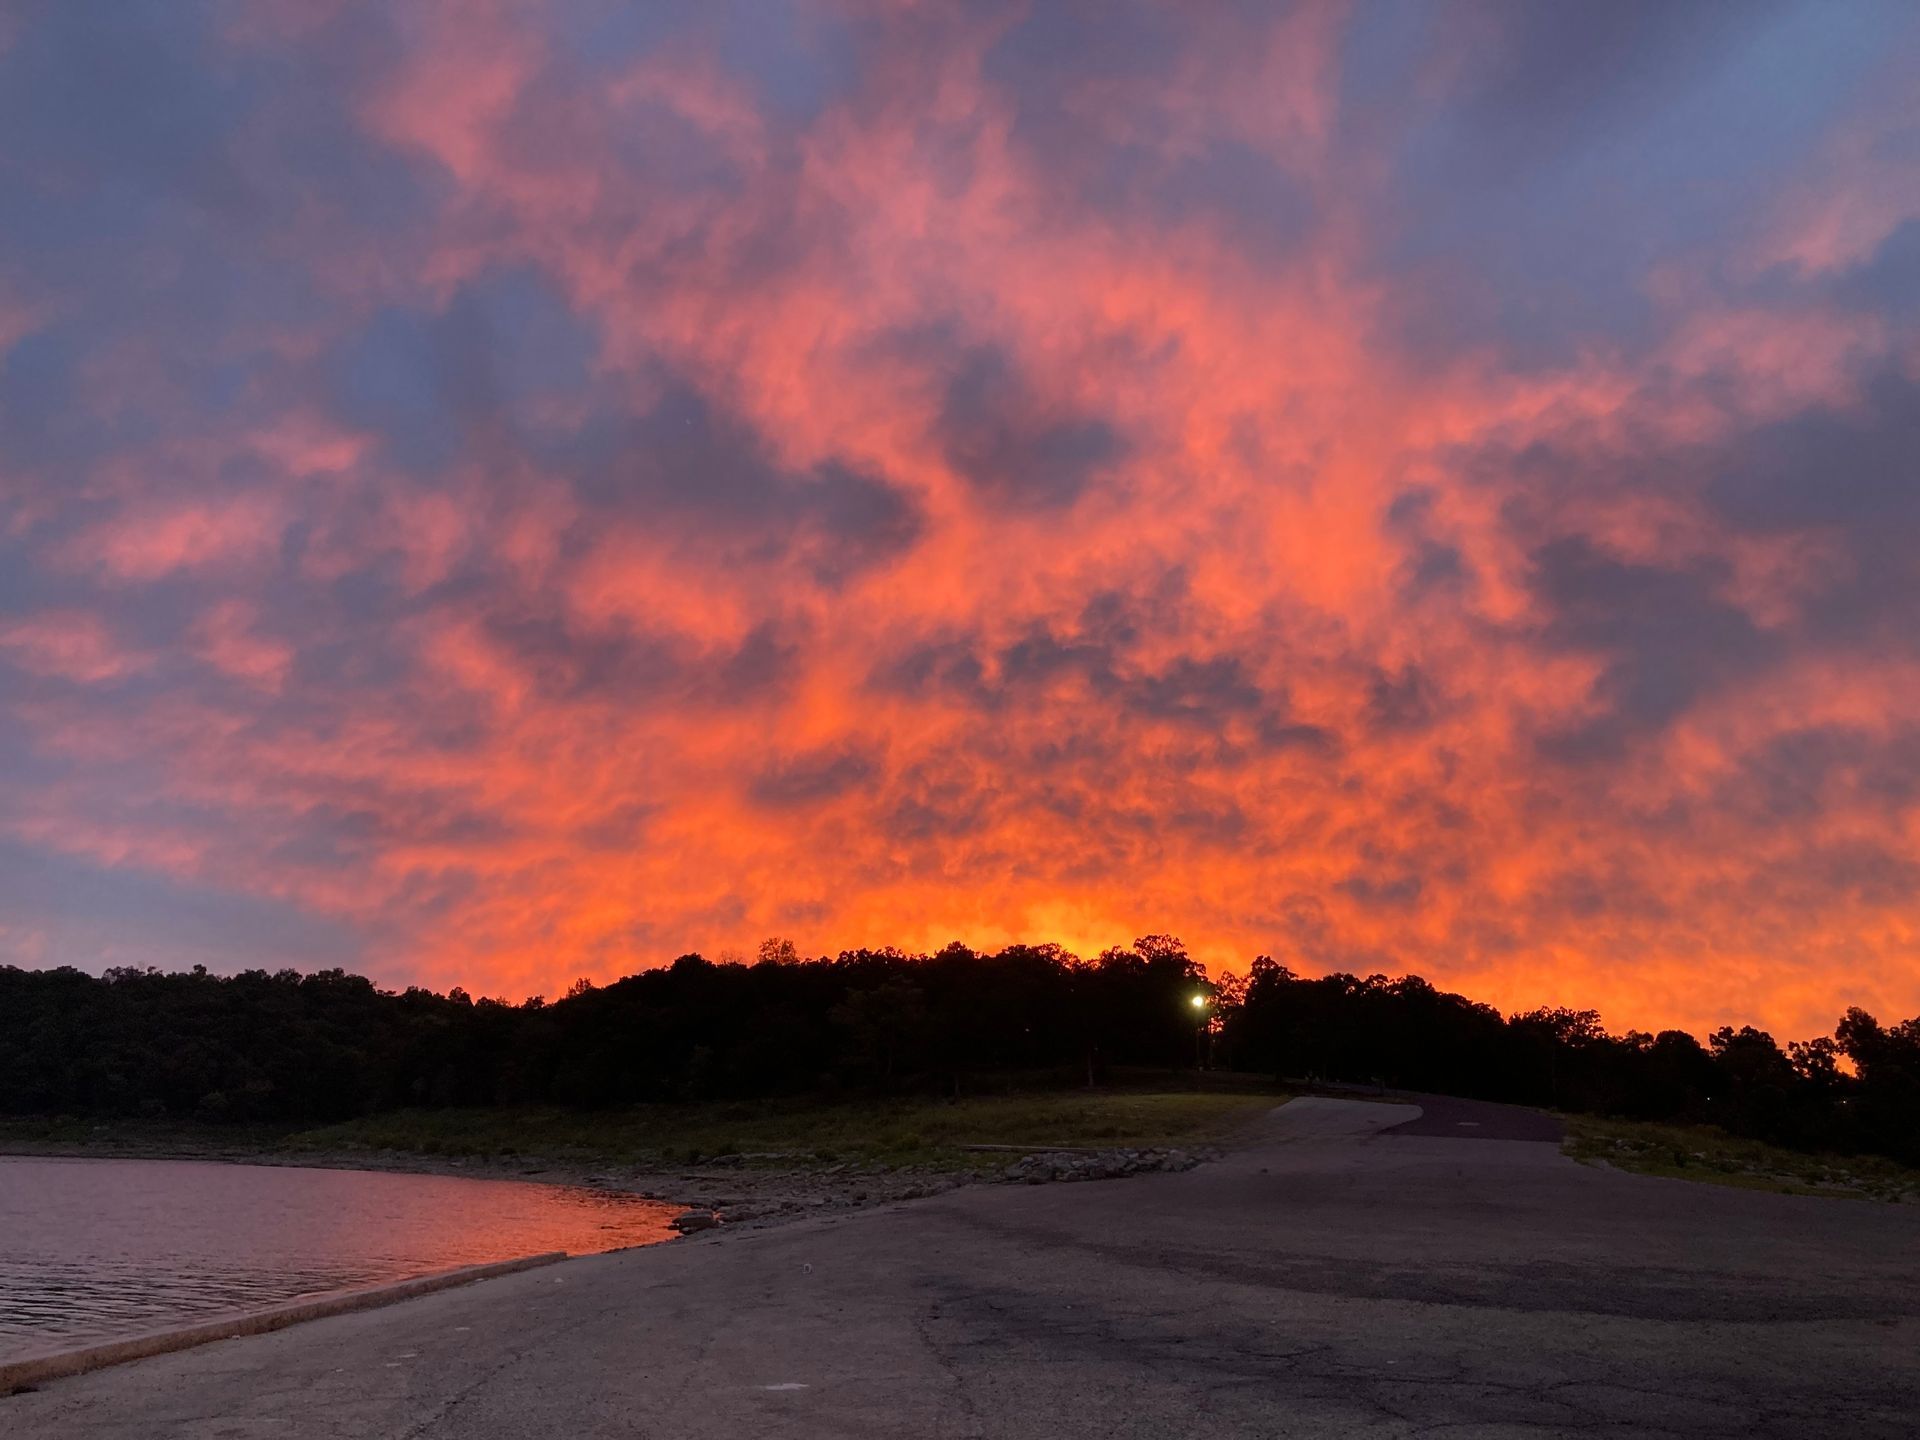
[{"x": 496, "y": 494}]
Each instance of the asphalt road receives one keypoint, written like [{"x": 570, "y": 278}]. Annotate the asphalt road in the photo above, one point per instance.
[
  {"x": 1446, "y": 1117},
  {"x": 1331, "y": 1280}
]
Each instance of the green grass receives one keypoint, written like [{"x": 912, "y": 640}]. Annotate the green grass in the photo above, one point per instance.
[
  {"x": 788, "y": 1133},
  {"x": 80, "y": 1135},
  {"x": 1699, "y": 1152}
]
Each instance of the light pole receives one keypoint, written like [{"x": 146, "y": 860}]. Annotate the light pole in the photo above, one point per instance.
[{"x": 1200, "y": 1032}]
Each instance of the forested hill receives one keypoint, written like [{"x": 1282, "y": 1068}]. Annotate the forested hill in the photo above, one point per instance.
[{"x": 331, "y": 1045}]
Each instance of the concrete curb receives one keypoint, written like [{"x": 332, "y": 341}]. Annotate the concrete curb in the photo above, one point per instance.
[{"x": 40, "y": 1368}]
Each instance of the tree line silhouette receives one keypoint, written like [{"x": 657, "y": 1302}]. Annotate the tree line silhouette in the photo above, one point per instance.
[{"x": 287, "y": 1047}]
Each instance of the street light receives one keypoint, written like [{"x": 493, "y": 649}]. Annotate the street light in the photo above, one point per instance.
[{"x": 1199, "y": 1003}]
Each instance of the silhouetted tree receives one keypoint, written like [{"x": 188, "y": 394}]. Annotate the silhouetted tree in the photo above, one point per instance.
[{"x": 287, "y": 1047}]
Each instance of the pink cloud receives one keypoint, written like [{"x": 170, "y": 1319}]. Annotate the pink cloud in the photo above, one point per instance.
[
  {"x": 71, "y": 645},
  {"x": 146, "y": 542},
  {"x": 227, "y": 639}
]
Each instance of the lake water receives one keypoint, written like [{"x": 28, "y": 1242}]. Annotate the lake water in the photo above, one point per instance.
[{"x": 93, "y": 1250}]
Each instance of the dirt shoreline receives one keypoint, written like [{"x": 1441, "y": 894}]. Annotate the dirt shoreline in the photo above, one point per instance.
[
  {"x": 723, "y": 1193},
  {"x": 741, "y": 1194}
]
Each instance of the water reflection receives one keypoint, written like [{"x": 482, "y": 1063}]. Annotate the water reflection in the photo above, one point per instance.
[{"x": 95, "y": 1249}]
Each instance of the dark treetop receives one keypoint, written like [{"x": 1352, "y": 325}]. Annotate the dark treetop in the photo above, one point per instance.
[{"x": 327, "y": 1046}]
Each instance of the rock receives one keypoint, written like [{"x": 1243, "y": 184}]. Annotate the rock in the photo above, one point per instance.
[
  {"x": 694, "y": 1220},
  {"x": 1068, "y": 1166}
]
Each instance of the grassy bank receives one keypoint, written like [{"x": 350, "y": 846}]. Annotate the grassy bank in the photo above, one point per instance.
[
  {"x": 133, "y": 1139},
  {"x": 782, "y": 1134},
  {"x": 790, "y": 1133},
  {"x": 1698, "y": 1152}
]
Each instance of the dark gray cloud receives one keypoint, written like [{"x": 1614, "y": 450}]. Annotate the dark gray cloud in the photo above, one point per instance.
[
  {"x": 1402, "y": 701},
  {"x": 1798, "y": 776},
  {"x": 949, "y": 668},
  {"x": 1848, "y": 476},
  {"x": 813, "y": 777},
  {"x": 1434, "y": 569},
  {"x": 689, "y": 464},
  {"x": 1855, "y": 470},
  {"x": 91, "y": 99},
  {"x": 1204, "y": 693},
  {"x": 1012, "y": 446},
  {"x": 568, "y": 661},
  {"x": 1546, "y": 80},
  {"x": 939, "y": 802},
  {"x": 1383, "y": 892},
  {"x": 1667, "y": 637},
  {"x": 1573, "y": 146}
]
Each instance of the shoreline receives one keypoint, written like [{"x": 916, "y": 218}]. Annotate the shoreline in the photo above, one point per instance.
[
  {"x": 732, "y": 1193},
  {"x": 742, "y": 1196},
  {"x": 771, "y": 1162}
]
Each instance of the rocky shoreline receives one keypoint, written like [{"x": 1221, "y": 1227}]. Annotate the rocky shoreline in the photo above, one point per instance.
[{"x": 769, "y": 1197}]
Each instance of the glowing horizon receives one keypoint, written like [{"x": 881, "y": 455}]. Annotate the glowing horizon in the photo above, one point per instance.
[{"x": 502, "y": 494}]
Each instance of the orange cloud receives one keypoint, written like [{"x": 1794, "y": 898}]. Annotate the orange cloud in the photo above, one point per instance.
[{"x": 955, "y": 504}]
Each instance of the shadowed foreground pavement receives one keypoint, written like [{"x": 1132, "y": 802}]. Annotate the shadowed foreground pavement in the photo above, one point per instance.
[{"x": 1332, "y": 1280}]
